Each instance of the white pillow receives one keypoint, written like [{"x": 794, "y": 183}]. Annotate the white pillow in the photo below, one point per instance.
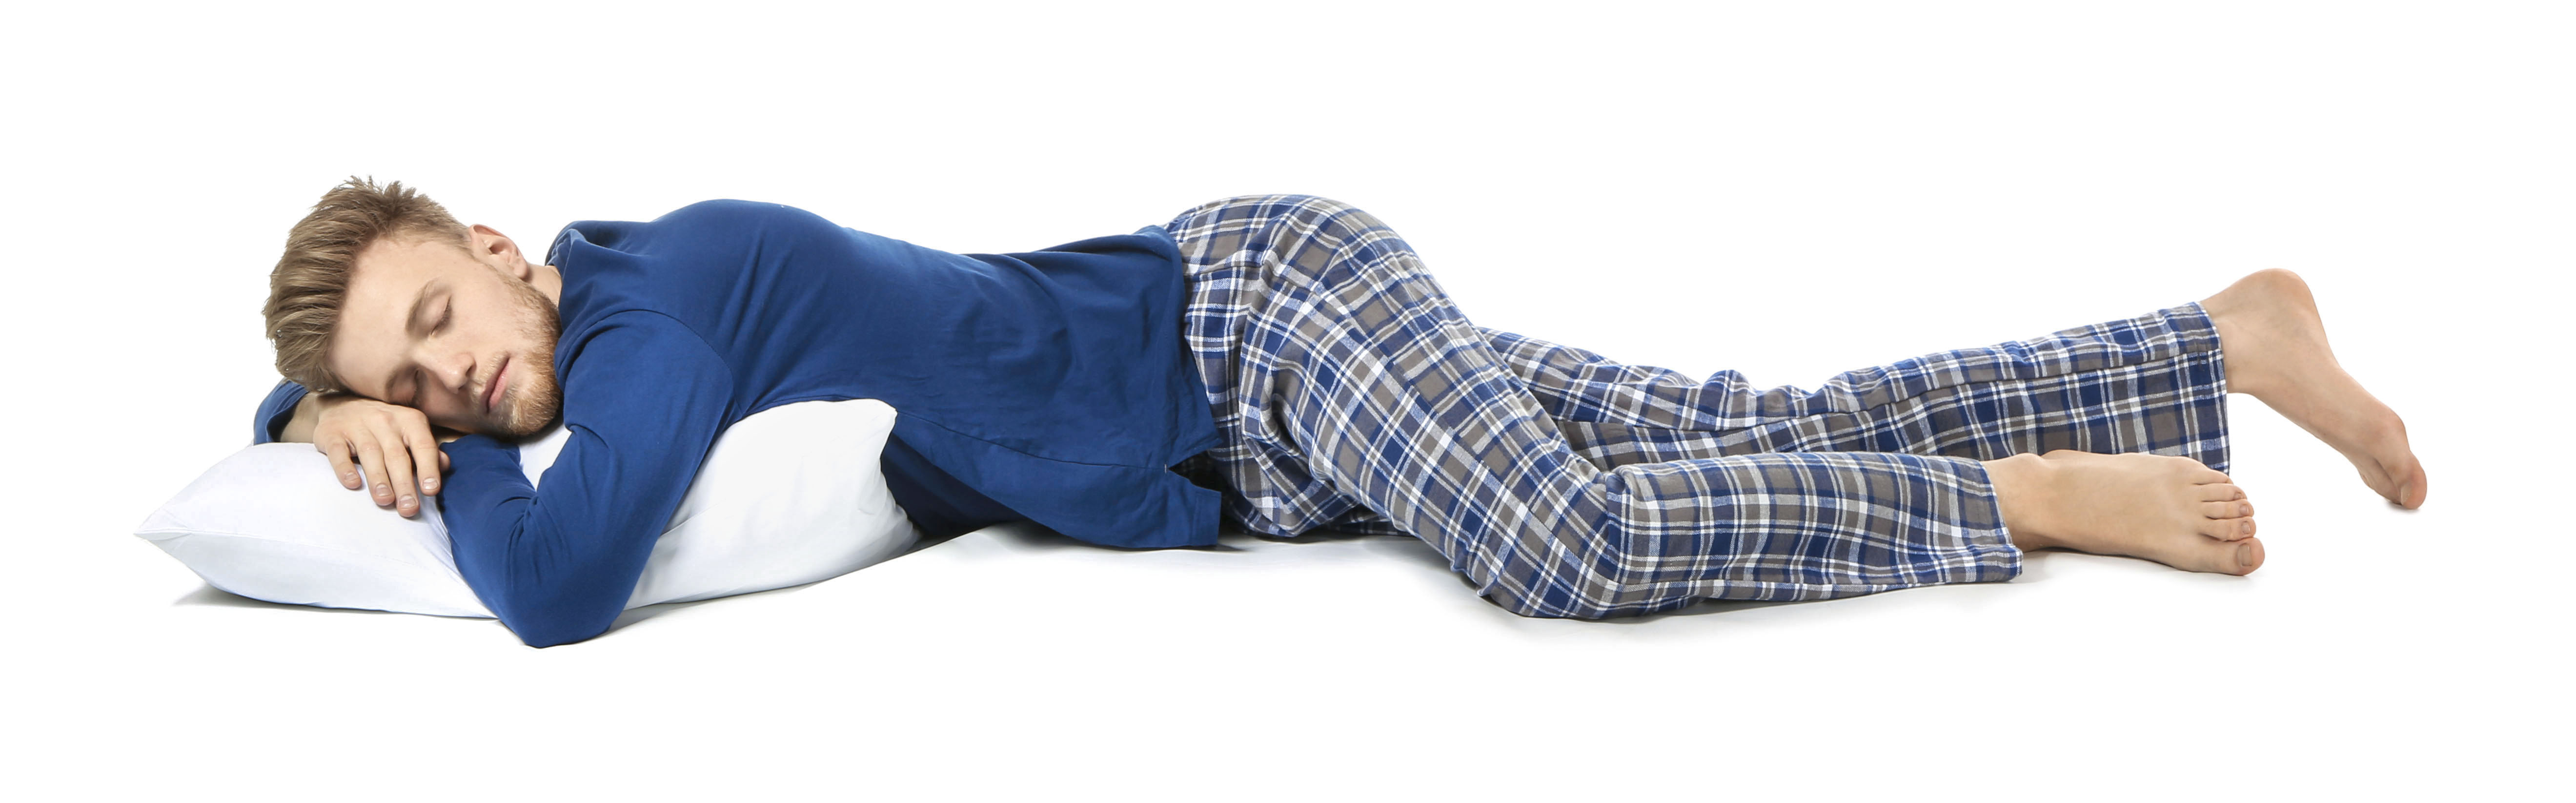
[{"x": 790, "y": 495}]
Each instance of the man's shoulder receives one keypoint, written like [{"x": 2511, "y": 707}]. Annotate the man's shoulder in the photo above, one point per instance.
[
  {"x": 706, "y": 232},
  {"x": 723, "y": 211},
  {"x": 699, "y": 264}
]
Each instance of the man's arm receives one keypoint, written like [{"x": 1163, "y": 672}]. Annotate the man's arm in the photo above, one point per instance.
[
  {"x": 299, "y": 427},
  {"x": 644, "y": 398},
  {"x": 371, "y": 444},
  {"x": 286, "y": 416}
]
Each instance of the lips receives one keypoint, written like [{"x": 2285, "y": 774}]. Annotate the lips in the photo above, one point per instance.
[{"x": 492, "y": 389}]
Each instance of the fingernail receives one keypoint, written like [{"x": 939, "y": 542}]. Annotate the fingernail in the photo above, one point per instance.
[{"x": 431, "y": 483}]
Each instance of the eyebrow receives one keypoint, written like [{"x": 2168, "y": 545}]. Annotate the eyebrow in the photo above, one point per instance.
[{"x": 411, "y": 326}]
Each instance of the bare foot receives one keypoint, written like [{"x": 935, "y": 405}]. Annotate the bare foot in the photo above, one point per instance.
[
  {"x": 2171, "y": 510},
  {"x": 2276, "y": 351}
]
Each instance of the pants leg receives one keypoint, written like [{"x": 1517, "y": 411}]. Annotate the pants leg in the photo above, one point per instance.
[
  {"x": 2154, "y": 383},
  {"x": 1345, "y": 380}
]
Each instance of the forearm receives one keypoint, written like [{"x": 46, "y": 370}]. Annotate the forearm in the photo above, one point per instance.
[
  {"x": 269, "y": 424},
  {"x": 299, "y": 429},
  {"x": 559, "y": 567},
  {"x": 548, "y": 582}
]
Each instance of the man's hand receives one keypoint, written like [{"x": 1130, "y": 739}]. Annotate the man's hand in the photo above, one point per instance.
[{"x": 391, "y": 444}]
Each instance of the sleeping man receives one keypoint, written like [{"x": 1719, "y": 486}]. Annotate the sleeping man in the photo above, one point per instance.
[{"x": 1284, "y": 362}]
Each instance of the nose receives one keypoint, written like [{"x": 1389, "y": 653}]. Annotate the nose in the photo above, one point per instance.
[{"x": 450, "y": 367}]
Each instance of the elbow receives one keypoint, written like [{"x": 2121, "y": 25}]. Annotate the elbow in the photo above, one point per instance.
[
  {"x": 554, "y": 619},
  {"x": 545, "y": 595},
  {"x": 542, "y": 634}
]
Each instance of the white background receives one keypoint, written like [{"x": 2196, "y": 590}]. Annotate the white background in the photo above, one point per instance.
[{"x": 1789, "y": 190}]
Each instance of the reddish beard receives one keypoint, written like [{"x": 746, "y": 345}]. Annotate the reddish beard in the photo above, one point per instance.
[{"x": 536, "y": 400}]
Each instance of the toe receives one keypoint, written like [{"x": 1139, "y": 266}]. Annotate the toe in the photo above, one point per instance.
[
  {"x": 2226, "y": 529},
  {"x": 2222, "y": 557},
  {"x": 2400, "y": 481},
  {"x": 2410, "y": 489},
  {"x": 2400, "y": 476},
  {"x": 2220, "y": 492},
  {"x": 2227, "y": 510},
  {"x": 2249, "y": 556},
  {"x": 2221, "y": 529}
]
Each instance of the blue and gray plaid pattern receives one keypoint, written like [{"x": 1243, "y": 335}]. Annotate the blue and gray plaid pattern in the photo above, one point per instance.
[{"x": 1352, "y": 395}]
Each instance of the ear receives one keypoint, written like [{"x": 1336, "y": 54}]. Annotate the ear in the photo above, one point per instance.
[{"x": 498, "y": 250}]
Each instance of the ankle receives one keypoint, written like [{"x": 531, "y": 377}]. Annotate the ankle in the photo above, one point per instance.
[
  {"x": 2245, "y": 372},
  {"x": 2024, "y": 496}
]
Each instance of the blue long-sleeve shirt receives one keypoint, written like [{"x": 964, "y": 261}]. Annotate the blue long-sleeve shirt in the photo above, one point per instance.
[{"x": 1050, "y": 385}]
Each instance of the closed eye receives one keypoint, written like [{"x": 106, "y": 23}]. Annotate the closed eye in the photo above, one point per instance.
[{"x": 418, "y": 378}]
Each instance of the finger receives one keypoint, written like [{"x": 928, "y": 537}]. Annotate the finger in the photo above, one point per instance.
[
  {"x": 425, "y": 452},
  {"x": 443, "y": 467},
  {"x": 398, "y": 469},
  {"x": 371, "y": 460},
  {"x": 341, "y": 466}
]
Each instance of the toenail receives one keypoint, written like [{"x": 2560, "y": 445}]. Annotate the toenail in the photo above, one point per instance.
[
  {"x": 2244, "y": 554},
  {"x": 2247, "y": 527},
  {"x": 2244, "y": 510}
]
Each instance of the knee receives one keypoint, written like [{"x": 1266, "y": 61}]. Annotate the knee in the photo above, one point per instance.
[
  {"x": 1276, "y": 205},
  {"x": 1312, "y": 229},
  {"x": 1255, "y": 211},
  {"x": 1576, "y": 580},
  {"x": 1582, "y": 601},
  {"x": 1591, "y": 561}
]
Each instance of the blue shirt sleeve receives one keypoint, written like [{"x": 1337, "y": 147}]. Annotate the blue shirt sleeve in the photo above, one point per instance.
[
  {"x": 644, "y": 400},
  {"x": 269, "y": 423}
]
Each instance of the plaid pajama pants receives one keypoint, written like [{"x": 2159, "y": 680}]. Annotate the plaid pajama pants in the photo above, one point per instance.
[{"x": 1352, "y": 395}]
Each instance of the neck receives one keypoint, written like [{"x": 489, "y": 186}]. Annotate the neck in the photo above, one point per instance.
[{"x": 549, "y": 281}]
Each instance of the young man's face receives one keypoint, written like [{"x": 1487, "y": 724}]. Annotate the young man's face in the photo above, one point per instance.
[{"x": 458, "y": 334}]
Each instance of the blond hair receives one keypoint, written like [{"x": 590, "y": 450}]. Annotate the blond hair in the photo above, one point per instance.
[{"x": 312, "y": 278}]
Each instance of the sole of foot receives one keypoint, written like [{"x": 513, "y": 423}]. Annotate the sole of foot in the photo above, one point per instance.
[
  {"x": 2171, "y": 510},
  {"x": 2276, "y": 351}
]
